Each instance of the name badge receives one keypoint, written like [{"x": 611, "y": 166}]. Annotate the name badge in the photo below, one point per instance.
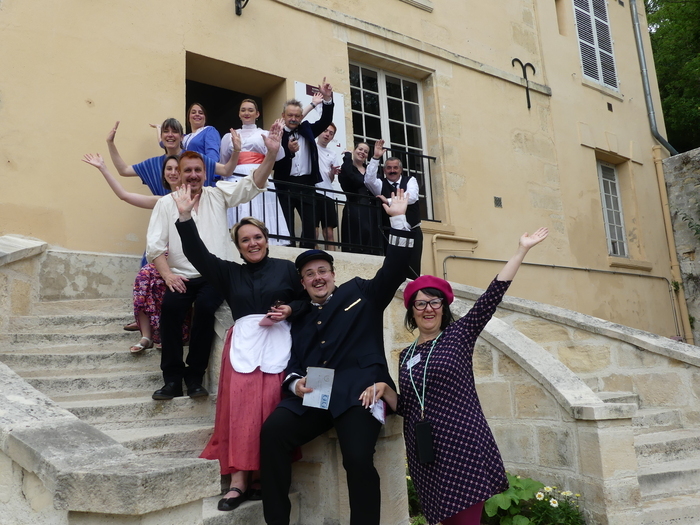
[{"x": 413, "y": 361}]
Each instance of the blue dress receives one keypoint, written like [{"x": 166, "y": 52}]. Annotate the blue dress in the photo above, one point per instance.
[
  {"x": 468, "y": 468},
  {"x": 206, "y": 141}
]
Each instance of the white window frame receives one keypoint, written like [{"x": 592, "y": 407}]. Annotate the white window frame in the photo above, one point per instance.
[
  {"x": 385, "y": 129},
  {"x": 613, "y": 216},
  {"x": 595, "y": 42}
]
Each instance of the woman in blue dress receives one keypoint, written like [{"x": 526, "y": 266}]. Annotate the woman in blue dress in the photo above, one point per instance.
[{"x": 203, "y": 139}]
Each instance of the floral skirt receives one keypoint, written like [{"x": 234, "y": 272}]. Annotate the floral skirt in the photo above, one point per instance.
[{"x": 149, "y": 288}]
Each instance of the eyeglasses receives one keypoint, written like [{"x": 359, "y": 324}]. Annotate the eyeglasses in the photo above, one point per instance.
[
  {"x": 321, "y": 272},
  {"x": 435, "y": 304}
]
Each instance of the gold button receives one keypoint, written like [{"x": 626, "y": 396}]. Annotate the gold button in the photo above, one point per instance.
[
  {"x": 318, "y": 322},
  {"x": 320, "y": 307},
  {"x": 323, "y": 342},
  {"x": 325, "y": 362}
]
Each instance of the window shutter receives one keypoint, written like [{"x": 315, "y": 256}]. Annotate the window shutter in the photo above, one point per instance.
[{"x": 595, "y": 41}]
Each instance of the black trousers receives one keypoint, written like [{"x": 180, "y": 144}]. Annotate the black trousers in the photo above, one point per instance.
[
  {"x": 302, "y": 200},
  {"x": 206, "y": 300},
  {"x": 357, "y": 433}
]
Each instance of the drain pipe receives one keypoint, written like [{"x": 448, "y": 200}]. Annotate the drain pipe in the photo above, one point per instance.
[
  {"x": 675, "y": 265},
  {"x": 645, "y": 80}
]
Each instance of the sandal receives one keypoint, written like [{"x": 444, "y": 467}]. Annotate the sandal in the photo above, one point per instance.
[
  {"x": 227, "y": 504},
  {"x": 131, "y": 327},
  {"x": 140, "y": 347}
]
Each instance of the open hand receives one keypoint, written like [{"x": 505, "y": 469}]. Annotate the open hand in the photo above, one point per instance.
[
  {"x": 379, "y": 149},
  {"x": 94, "y": 160},
  {"x": 112, "y": 133},
  {"x": 273, "y": 139},
  {"x": 528, "y": 241},
  {"x": 184, "y": 201},
  {"x": 397, "y": 204},
  {"x": 235, "y": 141}
]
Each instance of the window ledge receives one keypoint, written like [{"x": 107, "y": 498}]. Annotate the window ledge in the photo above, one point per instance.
[
  {"x": 426, "y": 5},
  {"x": 621, "y": 262},
  {"x": 605, "y": 90}
]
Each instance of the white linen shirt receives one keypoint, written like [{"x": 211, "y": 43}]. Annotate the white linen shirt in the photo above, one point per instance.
[
  {"x": 327, "y": 158},
  {"x": 210, "y": 219}
]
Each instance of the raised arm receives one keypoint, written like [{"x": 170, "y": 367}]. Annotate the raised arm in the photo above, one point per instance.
[
  {"x": 371, "y": 181},
  {"x": 124, "y": 169},
  {"x": 315, "y": 101},
  {"x": 212, "y": 142},
  {"x": 272, "y": 143},
  {"x": 225, "y": 170},
  {"x": 526, "y": 242},
  {"x": 135, "y": 199}
]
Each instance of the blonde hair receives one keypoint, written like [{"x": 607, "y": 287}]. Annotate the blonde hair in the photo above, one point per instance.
[{"x": 253, "y": 222}]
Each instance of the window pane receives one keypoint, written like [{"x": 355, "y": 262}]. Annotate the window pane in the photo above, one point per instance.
[
  {"x": 371, "y": 103},
  {"x": 395, "y": 109},
  {"x": 369, "y": 80},
  {"x": 393, "y": 87},
  {"x": 412, "y": 113},
  {"x": 413, "y": 136},
  {"x": 410, "y": 91},
  {"x": 397, "y": 134},
  {"x": 373, "y": 128},
  {"x": 357, "y": 127},
  {"x": 354, "y": 76},
  {"x": 356, "y": 99}
]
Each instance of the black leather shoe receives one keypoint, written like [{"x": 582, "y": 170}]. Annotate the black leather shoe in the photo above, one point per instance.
[
  {"x": 169, "y": 391},
  {"x": 197, "y": 391},
  {"x": 226, "y": 504}
]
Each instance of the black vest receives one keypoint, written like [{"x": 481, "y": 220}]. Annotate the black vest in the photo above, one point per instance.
[{"x": 413, "y": 210}]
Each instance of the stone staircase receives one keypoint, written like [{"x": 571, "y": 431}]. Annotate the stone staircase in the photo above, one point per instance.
[
  {"x": 668, "y": 461},
  {"x": 76, "y": 353}
]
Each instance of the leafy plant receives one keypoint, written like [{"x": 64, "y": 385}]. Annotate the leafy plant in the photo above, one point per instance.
[
  {"x": 529, "y": 502},
  {"x": 694, "y": 226},
  {"x": 414, "y": 508}
]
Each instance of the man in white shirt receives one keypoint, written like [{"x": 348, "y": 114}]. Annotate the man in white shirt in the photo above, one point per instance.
[
  {"x": 329, "y": 166},
  {"x": 186, "y": 288},
  {"x": 393, "y": 180}
]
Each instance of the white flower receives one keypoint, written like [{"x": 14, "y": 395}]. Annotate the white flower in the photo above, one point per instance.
[
  {"x": 567, "y": 493},
  {"x": 547, "y": 489},
  {"x": 554, "y": 503},
  {"x": 539, "y": 496}
]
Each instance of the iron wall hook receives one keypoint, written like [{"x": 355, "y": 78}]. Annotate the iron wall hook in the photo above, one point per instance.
[{"x": 527, "y": 84}]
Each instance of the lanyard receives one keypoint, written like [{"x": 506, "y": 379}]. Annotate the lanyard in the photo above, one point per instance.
[{"x": 412, "y": 349}]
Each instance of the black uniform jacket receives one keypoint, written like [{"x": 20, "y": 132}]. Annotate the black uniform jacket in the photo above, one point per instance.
[
  {"x": 248, "y": 288},
  {"x": 347, "y": 334}
]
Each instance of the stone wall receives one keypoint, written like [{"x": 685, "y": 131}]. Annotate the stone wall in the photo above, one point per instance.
[{"x": 682, "y": 174}]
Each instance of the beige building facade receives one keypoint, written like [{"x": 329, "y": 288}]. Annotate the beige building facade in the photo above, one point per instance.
[{"x": 435, "y": 78}]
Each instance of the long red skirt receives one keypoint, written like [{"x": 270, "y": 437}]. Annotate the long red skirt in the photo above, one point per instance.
[{"x": 244, "y": 401}]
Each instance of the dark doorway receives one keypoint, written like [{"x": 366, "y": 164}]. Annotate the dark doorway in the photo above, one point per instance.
[{"x": 221, "y": 105}]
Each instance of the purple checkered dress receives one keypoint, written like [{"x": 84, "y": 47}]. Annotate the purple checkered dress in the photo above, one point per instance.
[{"x": 468, "y": 467}]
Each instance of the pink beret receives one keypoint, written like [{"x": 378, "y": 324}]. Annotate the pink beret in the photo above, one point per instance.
[{"x": 428, "y": 281}]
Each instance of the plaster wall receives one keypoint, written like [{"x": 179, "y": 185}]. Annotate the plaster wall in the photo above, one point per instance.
[{"x": 128, "y": 61}]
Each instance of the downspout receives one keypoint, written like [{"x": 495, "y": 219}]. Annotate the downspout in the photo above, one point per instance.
[
  {"x": 645, "y": 80},
  {"x": 675, "y": 266}
]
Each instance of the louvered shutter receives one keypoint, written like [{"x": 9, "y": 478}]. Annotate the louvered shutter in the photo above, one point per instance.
[{"x": 595, "y": 41}]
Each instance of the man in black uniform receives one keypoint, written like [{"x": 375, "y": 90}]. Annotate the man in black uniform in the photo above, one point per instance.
[{"x": 342, "y": 330}]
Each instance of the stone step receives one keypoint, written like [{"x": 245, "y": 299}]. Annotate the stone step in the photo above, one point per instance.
[
  {"x": 141, "y": 411},
  {"x": 74, "y": 323},
  {"x": 35, "y": 363},
  {"x": 672, "y": 445},
  {"x": 656, "y": 420},
  {"x": 121, "y": 305},
  {"x": 249, "y": 513},
  {"x": 676, "y": 510},
  {"x": 21, "y": 340},
  {"x": 671, "y": 478},
  {"x": 176, "y": 440},
  {"x": 96, "y": 382},
  {"x": 618, "y": 397}
]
